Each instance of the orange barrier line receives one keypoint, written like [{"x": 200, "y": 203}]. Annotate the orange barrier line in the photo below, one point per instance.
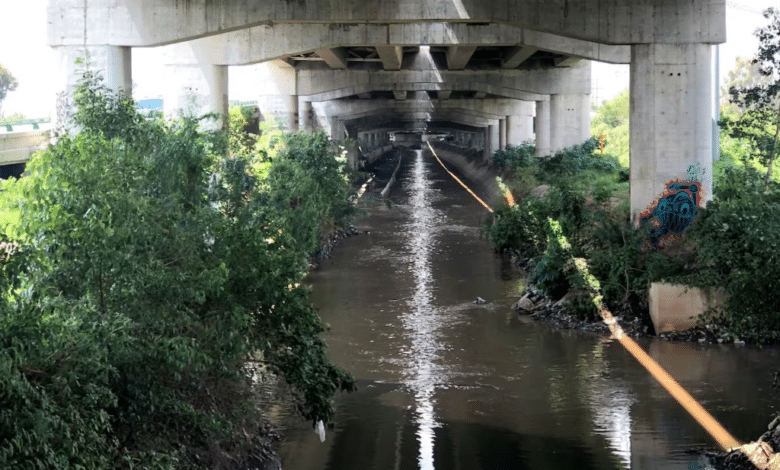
[
  {"x": 458, "y": 179},
  {"x": 760, "y": 453}
]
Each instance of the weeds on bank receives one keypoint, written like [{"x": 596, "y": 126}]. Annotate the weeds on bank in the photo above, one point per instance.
[{"x": 733, "y": 245}]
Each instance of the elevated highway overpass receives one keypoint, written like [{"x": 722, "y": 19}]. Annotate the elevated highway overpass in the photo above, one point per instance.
[{"x": 497, "y": 72}]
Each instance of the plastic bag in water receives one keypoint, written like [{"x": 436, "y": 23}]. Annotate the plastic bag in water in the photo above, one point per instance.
[{"x": 320, "y": 430}]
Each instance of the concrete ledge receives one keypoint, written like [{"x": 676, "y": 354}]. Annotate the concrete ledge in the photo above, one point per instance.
[{"x": 676, "y": 307}]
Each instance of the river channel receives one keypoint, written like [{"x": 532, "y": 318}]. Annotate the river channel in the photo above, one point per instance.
[{"x": 446, "y": 383}]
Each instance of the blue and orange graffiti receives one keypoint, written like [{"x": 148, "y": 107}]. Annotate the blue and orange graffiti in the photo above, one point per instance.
[{"x": 672, "y": 212}]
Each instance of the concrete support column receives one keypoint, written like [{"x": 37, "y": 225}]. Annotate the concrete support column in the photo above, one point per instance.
[
  {"x": 278, "y": 98},
  {"x": 542, "y": 128},
  {"x": 304, "y": 116},
  {"x": 494, "y": 139},
  {"x": 194, "y": 90},
  {"x": 671, "y": 135},
  {"x": 486, "y": 144},
  {"x": 337, "y": 131},
  {"x": 113, "y": 63},
  {"x": 289, "y": 115},
  {"x": 569, "y": 120},
  {"x": 502, "y": 134}
]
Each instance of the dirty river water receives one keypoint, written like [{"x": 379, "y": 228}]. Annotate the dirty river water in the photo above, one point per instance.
[{"x": 445, "y": 383}]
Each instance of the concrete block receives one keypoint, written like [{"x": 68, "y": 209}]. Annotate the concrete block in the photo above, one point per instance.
[{"x": 676, "y": 307}]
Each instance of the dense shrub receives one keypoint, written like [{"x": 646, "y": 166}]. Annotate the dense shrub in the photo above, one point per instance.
[
  {"x": 735, "y": 236},
  {"x": 151, "y": 274},
  {"x": 515, "y": 158}
]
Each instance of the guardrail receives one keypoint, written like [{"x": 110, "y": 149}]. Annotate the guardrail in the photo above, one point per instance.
[
  {"x": 9, "y": 126},
  {"x": 18, "y": 147}
]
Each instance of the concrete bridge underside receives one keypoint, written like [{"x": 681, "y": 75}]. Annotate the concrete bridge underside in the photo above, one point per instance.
[{"x": 495, "y": 73}]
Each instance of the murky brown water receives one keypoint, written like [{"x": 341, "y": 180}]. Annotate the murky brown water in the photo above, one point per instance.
[{"x": 449, "y": 384}]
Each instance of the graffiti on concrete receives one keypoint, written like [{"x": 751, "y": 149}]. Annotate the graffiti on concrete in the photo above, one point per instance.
[{"x": 672, "y": 212}]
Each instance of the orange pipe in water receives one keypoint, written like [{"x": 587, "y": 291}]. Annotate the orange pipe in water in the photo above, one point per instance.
[{"x": 759, "y": 453}]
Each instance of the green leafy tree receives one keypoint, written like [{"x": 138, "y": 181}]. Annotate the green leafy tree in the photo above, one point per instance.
[
  {"x": 7, "y": 84},
  {"x": 759, "y": 123},
  {"x": 611, "y": 121},
  {"x": 150, "y": 277}
]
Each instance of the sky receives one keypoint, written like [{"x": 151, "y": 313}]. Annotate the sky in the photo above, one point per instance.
[{"x": 24, "y": 52}]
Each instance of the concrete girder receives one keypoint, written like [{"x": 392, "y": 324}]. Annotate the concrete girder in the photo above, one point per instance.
[
  {"x": 493, "y": 109},
  {"x": 399, "y": 95},
  {"x": 547, "y": 81},
  {"x": 458, "y": 56},
  {"x": 370, "y": 121},
  {"x": 335, "y": 57},
  {"x": 392, "y": 56},
  {"x": 417, "y": 114},
  {"x": 517, "y": 55},
  {"x": 157, "y": 22},
  {"x": 267, "y": 42},
  {"x": 567, "y": 61}
]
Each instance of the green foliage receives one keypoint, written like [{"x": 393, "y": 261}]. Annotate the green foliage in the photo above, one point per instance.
[
  {"x": 738, "y": 251},
  {"x": 759, "y": 121},
  {"x": 612, "y": 121},
  {"x": 151, "y": 270},
  {"x": 552, "y": 271},
  {"x": 515, "y": 158},
  {"x": 572, "y": 161},
  {"x": 7, "y": 83}
]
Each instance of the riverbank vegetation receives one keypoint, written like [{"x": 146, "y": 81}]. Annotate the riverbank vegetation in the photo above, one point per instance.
[
  {"x": 148, "y": 277},
  {"x": 731, "y": 244}
]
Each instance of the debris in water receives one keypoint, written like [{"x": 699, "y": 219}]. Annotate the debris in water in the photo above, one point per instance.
[{"x": 480, "y": 301}]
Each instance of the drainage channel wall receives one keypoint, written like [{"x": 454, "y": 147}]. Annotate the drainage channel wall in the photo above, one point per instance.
[{"x": 469, "y": 163}]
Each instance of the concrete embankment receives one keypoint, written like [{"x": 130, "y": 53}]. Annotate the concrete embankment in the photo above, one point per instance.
[{"x": 469, "y": 163}]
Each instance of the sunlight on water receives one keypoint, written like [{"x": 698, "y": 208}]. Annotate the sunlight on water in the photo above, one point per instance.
[{"x": 421, "y": 320}]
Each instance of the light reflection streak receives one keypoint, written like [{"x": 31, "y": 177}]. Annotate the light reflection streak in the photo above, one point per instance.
[
  {"x": 611, "y": 406},
  {"x": 421, "y": 321}
]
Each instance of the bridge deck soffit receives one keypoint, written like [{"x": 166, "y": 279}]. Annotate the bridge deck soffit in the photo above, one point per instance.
[
  {"x": 268, "y": 42},
  {"x": 157, "y": 22}
]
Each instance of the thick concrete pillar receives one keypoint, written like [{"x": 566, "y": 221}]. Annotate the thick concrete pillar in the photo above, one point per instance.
[
  {"x": 194, "y": 90},
  {"x": 278, "y": 98},
  {"x": 542, "y": 128},
  {"x": 486, "y": 154},
  {"x": 494, "y": 139},
  {"x": 569, "y": 120},
  {"x": 671, "y": 135},
  {"x": 519, "y": 129},
  {"x": 113, "y": 63},
  {"x": 502, "y": 133},
  {"x": 304, "y": 116},
  {"x": 337, "y": 131}
]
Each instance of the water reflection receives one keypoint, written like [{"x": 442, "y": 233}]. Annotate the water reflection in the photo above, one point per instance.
[
  {"x": 421, "y": 319},
  {"x": 610, "y": 402}
]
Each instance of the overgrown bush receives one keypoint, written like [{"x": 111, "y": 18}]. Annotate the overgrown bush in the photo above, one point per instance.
[
  {"x": 152, "y": 274},
  {"x": 737, "y": 249},
  {"x": 515, "y": 157}
]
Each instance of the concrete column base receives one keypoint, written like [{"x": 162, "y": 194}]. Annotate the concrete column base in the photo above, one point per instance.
[
  {"x": 677, "y": 307},
  {"x": 569, "y": 120},
  {"x": 195, "y": 90},
  {"x": 305, "y": 116},
  {"x": 112, "y": 63},
  {"x": 542, "y": 128}
]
